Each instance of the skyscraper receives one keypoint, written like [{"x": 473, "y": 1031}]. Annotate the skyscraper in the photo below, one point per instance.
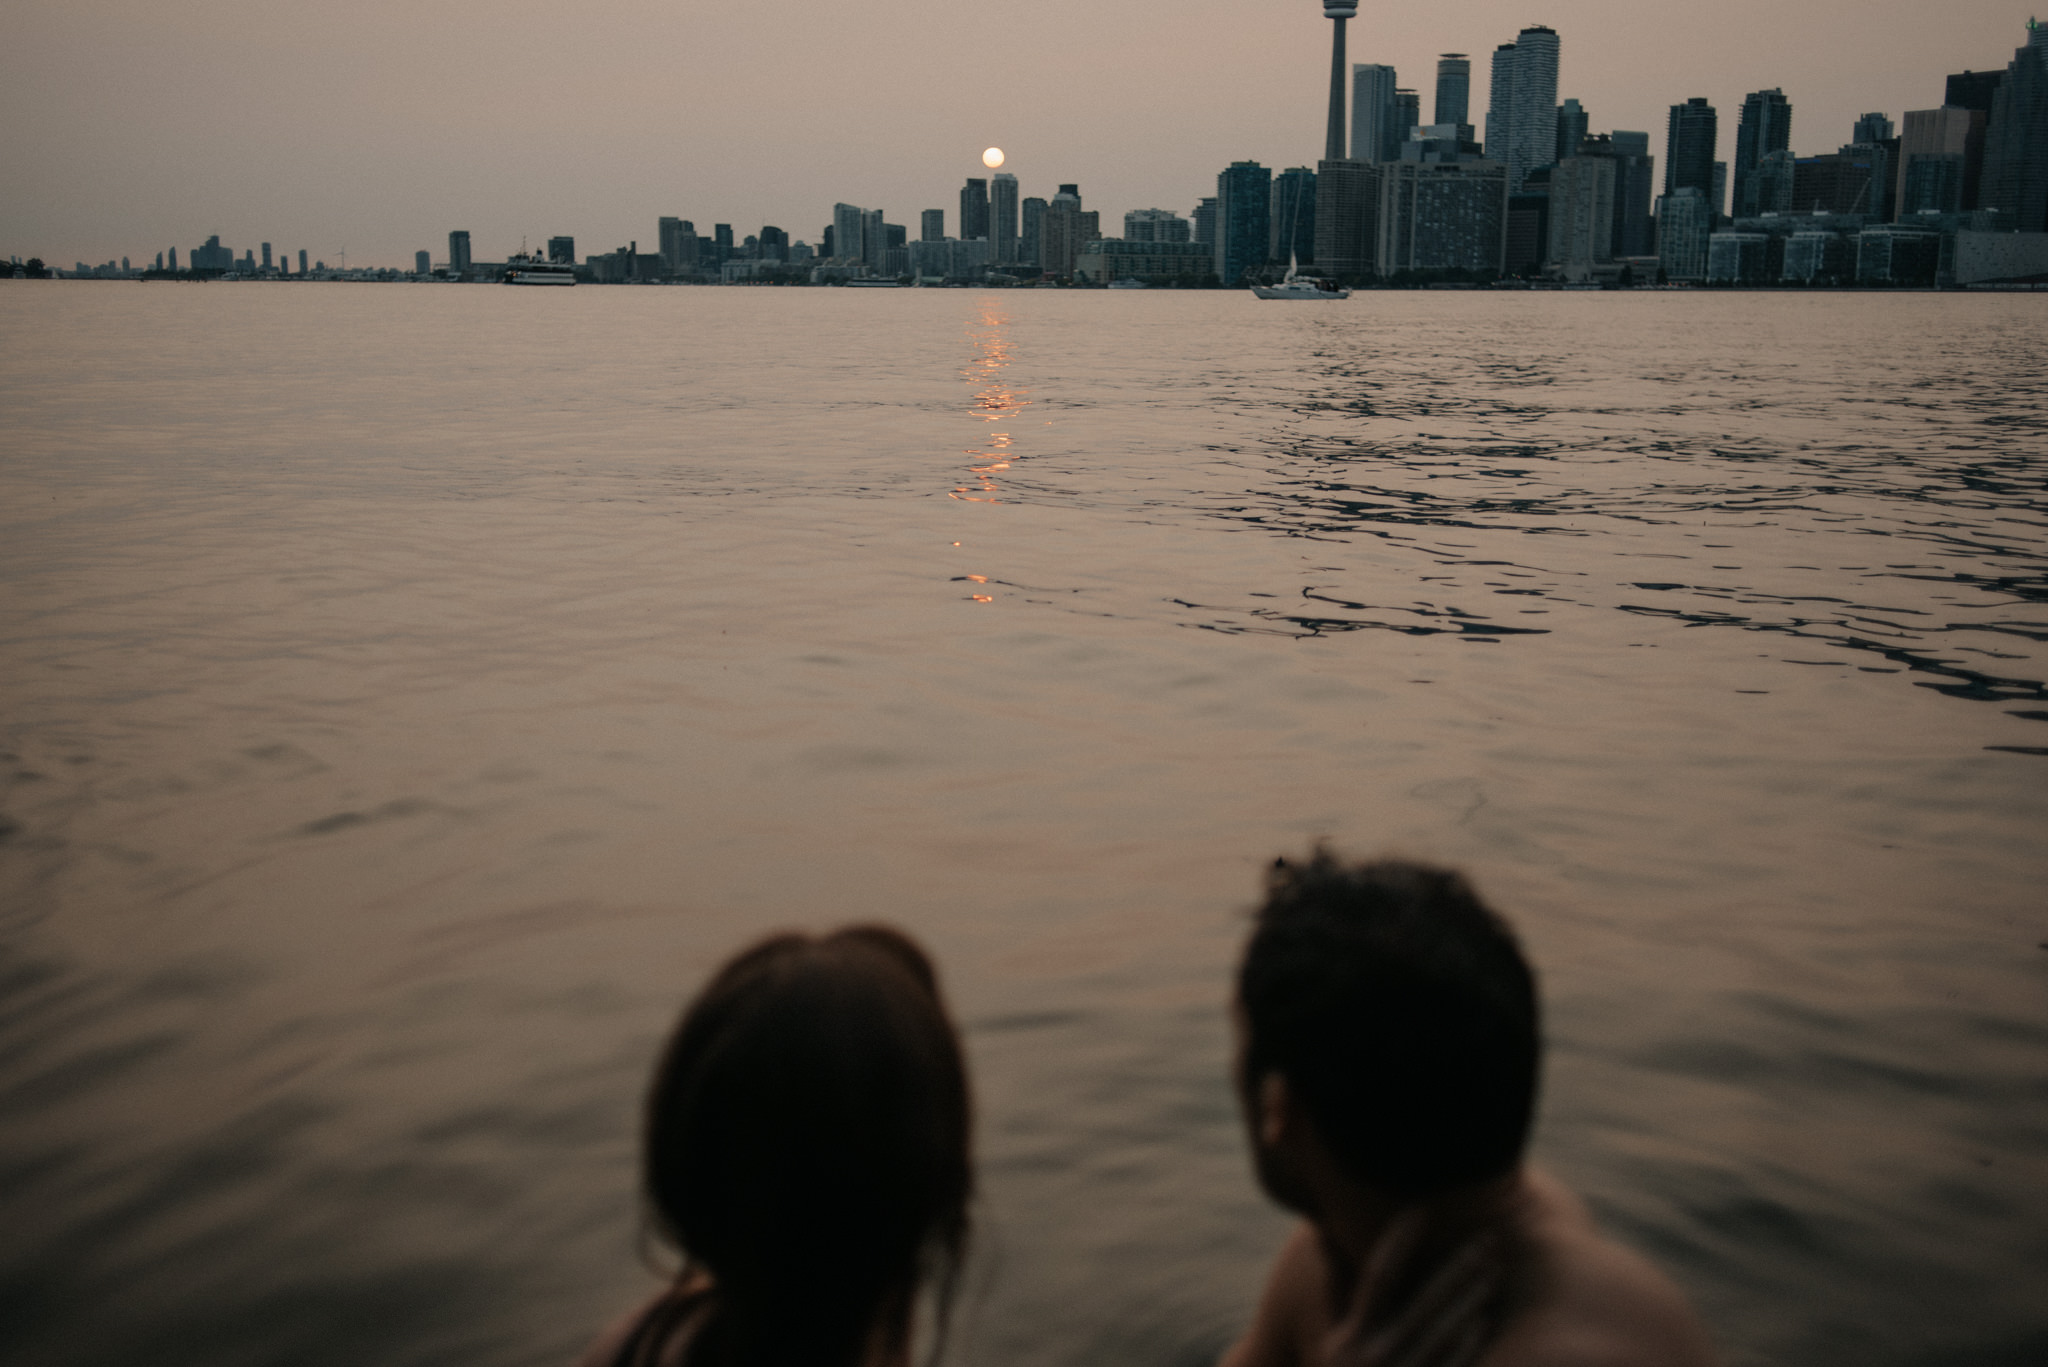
[
  {"x": 1521, "y": 125},
  {"x": 874, "y": 240},
  {"x": 1689, "y": 150},
  {"x": 1683, "y": 223},
  {"x": 1204, "y": 219},
  {"x": 1934, "y": 158},
  {"x": 1634, "y": 177},
  {"x": 1337, "y": 12},
  {"x": 774, "y": 244},
  {"x": 1374, "y": 136},
  {"x": 562, "y": 250},
  {"x": 973, "y": 209},
  {"x": 1243, "y": 219},
  {"x": 676, "y": 240},
  {"x": 422, "y": 263},
  {"x": 932, "y": 226},
  {"x": 1031, "y": 237},
  {"x": 1347, "y": 216},
  {"x": 1442, "y": 216},
  {"x": 1002, "y": 212},
  {"x": 1066, "y": 227},
  {"x": 302, "y": 261},
  {"x": 266, "y": 256},
  {"x": 849, "y": 236},
  {"x": 1156, "y": 225},
  {"x": 1871, "y": 130},
  {"x": 1572, "y": 127},
  {"x": 1454, "y": 90},
  {"x": 1766, "y": 127},
  {"x": 458, "y": 254},
  {"x": 2016, "y": 143},
  {"x": 1581, "y": 217},
  {"x": 1407, "y": 118},
  {"x": 1292, "y": 221}
]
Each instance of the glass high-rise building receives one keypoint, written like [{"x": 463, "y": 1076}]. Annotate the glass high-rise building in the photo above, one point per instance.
[
  {"x": 2016, "y": 142},
  {"x": 1453, "y": 88},
  {"x": 458, "y": 252},
  {"x": 1374, "y": 114},
  {"x": 1031, "y": 232},
  {"x": 1766, "y": 127},
  {"x": 1002, "y": 215},
  {"x": 1689, "y": 143},
  {"x": 973, "y": 209},
  {"x": 932, "y": 226},
  {"x": 1521, "y": 123},
  {"x": 1573, "y": 124},
  {"x": 1244, "y": 210},
  {"x": 1292, "y": 222}
]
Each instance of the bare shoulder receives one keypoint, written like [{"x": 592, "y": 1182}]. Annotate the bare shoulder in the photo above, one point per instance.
[
  {"x": 1589, "y": 1302},
  {"x": 1293, "y": 1311}
]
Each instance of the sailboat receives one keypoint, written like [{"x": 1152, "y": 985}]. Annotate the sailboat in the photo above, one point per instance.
[{"x": 1298, "y": 286}]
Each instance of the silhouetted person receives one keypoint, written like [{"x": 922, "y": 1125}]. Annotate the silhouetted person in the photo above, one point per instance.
[
  {"x": 806, "y": 1149},
  {"x": 1388, "y": 1051}
]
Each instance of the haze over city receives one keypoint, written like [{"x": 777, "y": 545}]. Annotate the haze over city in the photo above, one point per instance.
[{"x": 378, "y": 127}]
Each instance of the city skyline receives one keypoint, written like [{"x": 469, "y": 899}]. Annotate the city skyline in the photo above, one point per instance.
[{"x": 134, "y": 131}]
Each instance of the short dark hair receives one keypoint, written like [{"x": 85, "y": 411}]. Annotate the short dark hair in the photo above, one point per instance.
[
  {"x": 1400, "y": 1010},
  {"x": 807, "y": 1143}
]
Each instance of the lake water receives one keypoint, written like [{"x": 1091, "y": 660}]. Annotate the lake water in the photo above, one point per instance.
[{"x": 407, "y": 695}]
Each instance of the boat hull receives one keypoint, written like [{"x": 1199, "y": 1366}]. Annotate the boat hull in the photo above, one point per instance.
[{"x": 1282, "y": 292}]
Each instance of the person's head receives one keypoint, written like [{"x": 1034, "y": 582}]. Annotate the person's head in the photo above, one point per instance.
[
  {"x": 1401, "y": 1016},
  {"x": 807, "y": 1147}
]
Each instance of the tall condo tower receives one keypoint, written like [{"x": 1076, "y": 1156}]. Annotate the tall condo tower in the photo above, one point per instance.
[
  {"x": 1337, "y": 12},
  {"x": 973, "y": 209},
  {"x": 1374, "y": 114},
  {"x": 1453, "y": 88},
  {"x": 1002, "y": 212},
  {"x": 1766, "y": 127},
  {"x": 1521, "y": 124},
  {"x": 1689, "y": 149}
]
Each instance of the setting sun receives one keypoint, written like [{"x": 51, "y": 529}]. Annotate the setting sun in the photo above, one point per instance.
[{"x": 992, "y": 158}]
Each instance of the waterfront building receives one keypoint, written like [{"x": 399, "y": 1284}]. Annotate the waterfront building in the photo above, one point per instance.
[
  {"x": 1897, "y": 254},
  {"x": 1635, "y": 185},
  {"x": 773, "y": 244},
  {"x": 1521, "y": 125},
  {"x": 1816, "y": 256},
  {"x": 1454, "y": 92},
  {"x": 1765, "y": 127},
  {"x": 932, "y": 226},
  {"x": 1443, "y": 216},
  {"x": 1002, "y": 216},
  {"x": 1689, "y": 142},
  {"x": 214, "y": 257},
  {"x": 266, "y": 256},
  {"x": 1375, "y": 135},
  {"x": 874, "y": 241},
  {"x": 458, "y": 253},
  {"x": 2015, "y": 179},
  {"x": 847, "y": 234},
  {"x": 1157, "y": 225},
  {"x": 944, "y": 258},
  {"x": 1292, "y": 218},
  {"x": 1581, "y": 218},
  {"x": 676, "y": 242},
  {"x": 1156, "y": 262},
  {"x": 1737, "y": 258},
  {"x": 1243, "y": 219},
  {"x": 1720, "y": 195},
  {"x": 1031, "y": 234},
  {"x": 1934, "y": 159},
  {"x": 562, "y": 250},
  {"x": 1346, "y": 233},
  {"x": 1066, "y": 227},
  {"x": 1204, "y": 219},
  {"x": 1528, "y": 228},
  {"x": 302, "y": 261},
  {"x": 422, "y": 263},
  {"x": 974, "y": 208},
  {"x": 721, "y": 242},
  {"x": 1977, "y": 257},
  {"x": 1572, "y": 128},
  {"x": 1684, "y": 219},
  {"x": 1843, "y": 182}
]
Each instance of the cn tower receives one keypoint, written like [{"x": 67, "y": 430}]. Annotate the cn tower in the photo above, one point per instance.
[{"x": 1337, "y": 11}]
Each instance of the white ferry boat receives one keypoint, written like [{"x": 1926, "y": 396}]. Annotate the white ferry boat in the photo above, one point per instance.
[{"x": 531, "y": 270}]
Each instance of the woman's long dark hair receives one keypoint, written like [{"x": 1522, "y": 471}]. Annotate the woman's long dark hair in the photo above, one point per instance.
[{"x": 807, "y": 1150}]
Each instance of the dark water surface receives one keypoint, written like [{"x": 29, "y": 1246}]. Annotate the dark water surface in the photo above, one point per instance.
[{"x": 408, "y": 694}]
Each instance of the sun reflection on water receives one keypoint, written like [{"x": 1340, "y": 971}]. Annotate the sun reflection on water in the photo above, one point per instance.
[{"x": 996, "y": 401}]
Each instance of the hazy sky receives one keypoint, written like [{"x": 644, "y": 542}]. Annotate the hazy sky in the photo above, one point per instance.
[{"x": 378, "y": 126}]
